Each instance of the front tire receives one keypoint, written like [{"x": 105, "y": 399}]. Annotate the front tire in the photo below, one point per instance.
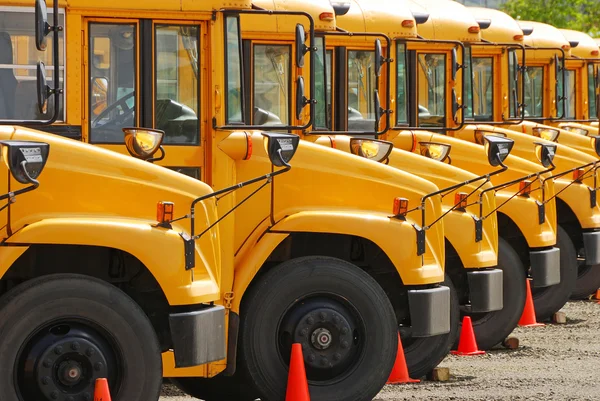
[
  {"x": 340, "y": 315},
  {"x": 493, "y": 327},
  {"x": 59, "y": 333},
  {"x": 549, "y": 300}
]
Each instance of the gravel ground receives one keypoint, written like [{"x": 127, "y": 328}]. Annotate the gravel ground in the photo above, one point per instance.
[{"x": 559, "y": 362}]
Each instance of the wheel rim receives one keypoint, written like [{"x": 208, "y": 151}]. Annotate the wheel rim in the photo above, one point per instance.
[
  {"x": 61, "y": 361},
  {"x": 331, "y": 333}
]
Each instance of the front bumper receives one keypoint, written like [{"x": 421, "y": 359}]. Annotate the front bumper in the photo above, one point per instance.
[
  {"x": 485, "y": 290},
  {"x": 429, "y": 311},
  {"x": 198, "y": 336},
  {"x": 591, "y": 242},
  {"x": 545, "y": 267}
]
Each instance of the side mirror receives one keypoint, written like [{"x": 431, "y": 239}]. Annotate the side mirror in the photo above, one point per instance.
[
  {"x": 42, "y": 27},
  {"x": 379, "y": 60},
  {"x": 281, "y": 147},
  {"x": 434, "y": 150},
  {"x": 43, "y": 90},
  {"x": 25, "y": 159},
  {"x": 301, "y": 100},
  {"x": 99, "y": 95},
  {"x": 545, "y": 153},
  {"x": 377, "y": 106},
  {"x": 143, "y": 143},
  {"x": 301, "y": 48},
  {"x": 455, "y": 106},
  {"x": 372, "y": 149},
  {"x": 497, "y": 149},
  {"x": 454, "y": 64},
  {"x": 596, "y": 141}
]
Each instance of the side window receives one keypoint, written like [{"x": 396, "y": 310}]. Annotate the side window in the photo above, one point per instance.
[
  {"x": 112, "y": 72},
  {"x": 432, "y": 89},
  {"x": 534, "y": 100},
  {"x": 513, "y": 84},
  {"x": 321, "y": 87},
  {"x": 402, "y": 85},
  {"x": 235, "y": 111},
  {"x": 468, "y": 83},
  {"x": 177, "y": 83},
  {"x": 271, "y": 84},
  {"x": 483, "y": 88},
  {"x": 18, "y": 59},
  {"x": 593, "y": 112},
  {"x": 570, "y": 76},
  {"x": 361, "y": 84}
]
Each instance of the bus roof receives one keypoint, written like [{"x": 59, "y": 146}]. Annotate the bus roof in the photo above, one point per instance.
[
  {"x": 448, "y": 20},
  {"x": 393, "y": 19},
  {"x": 543, "y": 35},
  {"x": 154, "y": 5},
  {"x": 501, "y": 27},
  {"x": 586, "y": 46},
  {"x": 320, "y": 10}
]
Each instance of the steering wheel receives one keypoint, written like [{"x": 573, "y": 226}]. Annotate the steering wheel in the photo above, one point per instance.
[{"x": 122, "y": 103}]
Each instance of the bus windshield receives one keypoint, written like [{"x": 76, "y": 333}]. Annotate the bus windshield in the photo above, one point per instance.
[
  {"x": 534, "y": 95},
  {"x": 18, "y": 60},
  {"x": 431, "y": 80}
]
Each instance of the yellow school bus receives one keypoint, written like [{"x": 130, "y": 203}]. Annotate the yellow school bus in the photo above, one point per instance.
[
  {"x": 471, "y": 231},
  {"x": 575, "y": 170},
  {"x": 210, "y": 239},
  {"x": 526, "y": 243}
]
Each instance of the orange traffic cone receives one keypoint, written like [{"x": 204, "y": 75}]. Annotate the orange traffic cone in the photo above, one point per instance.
[
  {"x": 101, "y": 392},
  {"x": 467, "y": 344},
  {"x": 297, "y": 388},
  {"x": 597, "y": 294},
  {"x": 399, "y": 373},
  {"x": 528, "y": 318}
]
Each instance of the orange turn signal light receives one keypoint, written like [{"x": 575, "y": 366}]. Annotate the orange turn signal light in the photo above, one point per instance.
[
  {"x": 326, "y": 16},
  {"x": 474, "y": 29},
  {"x": 518, "y": 37},
  {"x": 461, "y": 199},
  {"x": 164, "y": 211},
  {"x": 578, "y": 174},
  {"x": 595, "y": 52},
  {"x": 525, "y": 188},
  {"x": 400, "y": 206},
  {"x": 408, "y": 23}
]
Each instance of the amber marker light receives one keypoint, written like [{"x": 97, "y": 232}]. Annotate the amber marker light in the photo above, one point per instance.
[
  {"x": 460, "y": 200},
  {"x": 400, "y": 206},
  {"x": 408, "y": 23},
  {"x": 164, "y": 212},
  {"x": 326, "y": 16},
  {"x": 524, "y": 188},
  {"x": 578, "y": 174}
]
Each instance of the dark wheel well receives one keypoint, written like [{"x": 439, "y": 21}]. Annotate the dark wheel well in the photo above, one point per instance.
[
  {"x": 510, "y": 232},
  {"x": 113, "y": 266},
  {"x": 456, "y": 272},
  {"x": 568, "y": 221}
]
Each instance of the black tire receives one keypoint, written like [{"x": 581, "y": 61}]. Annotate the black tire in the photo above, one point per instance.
[
  {"x": 425, "y": 353},
  {"x": 549, "y": 300},
  {"x": 299, "y": 301},
  {"x": 493, "y": 327},
  {"x": 218, "y": 388},
  {"x": 588, "y": 280},
  {"x": 72, "y": 329}
]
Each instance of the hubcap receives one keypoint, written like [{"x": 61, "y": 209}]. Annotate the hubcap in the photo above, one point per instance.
[
  {"x": 61, "y": 362},
  {"x": 329, "y": 334}
]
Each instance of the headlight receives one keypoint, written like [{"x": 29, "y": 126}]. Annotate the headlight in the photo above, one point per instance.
[
  {"x": 549, "y": 134},
  {"x": 434, "y": 150}
]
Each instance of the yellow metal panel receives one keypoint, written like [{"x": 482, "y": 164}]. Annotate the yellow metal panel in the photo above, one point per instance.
[
  {"x": 448, "y": 20},
  {"x": 503, "y": 28}
]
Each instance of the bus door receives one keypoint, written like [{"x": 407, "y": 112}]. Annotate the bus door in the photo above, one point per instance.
[{"x": 147, "y": 73}]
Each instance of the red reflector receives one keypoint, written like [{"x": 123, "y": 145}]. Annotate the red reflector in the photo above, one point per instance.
[
  {"x": 460, "y": 199},
  {"x": 578, "y": 174},
  {"x": 326, "y": 16},
  {"x": 595, "y": 52},
  {"x": 474, "y": 29},
  {"x": 524, "y": 188},
  {"x": 164, "y": 211},
  {"x": 333, "y": 145},
  {"x": 566, "y": 47},
  {"x": 518, "y": 37},
  {"x": 408, "y": 23},
  {"x": 400, "y": 206}
]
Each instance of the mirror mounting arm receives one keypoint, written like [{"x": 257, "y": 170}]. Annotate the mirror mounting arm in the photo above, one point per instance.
[
  {"x": 13, "y": 194},
  {"x": 594, "y": 166}
]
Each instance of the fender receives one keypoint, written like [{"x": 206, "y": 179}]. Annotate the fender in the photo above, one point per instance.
[
  {"x": 395, "y": 237},
  {"x": 523, "y": 212},
  {"x": 160, "y": 250},
  {"x": 460, "y": 232},
  {"x": 577, "y": 198}
]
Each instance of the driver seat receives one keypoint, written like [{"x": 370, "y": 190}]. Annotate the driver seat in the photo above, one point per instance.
[{"x": 8, "y": 82}]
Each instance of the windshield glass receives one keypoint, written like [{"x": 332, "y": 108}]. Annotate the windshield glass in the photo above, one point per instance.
[
  {"x": 593, "y": 111},
  {"x": 431, "y": 81},
  {"x": 569, "y": 94},
  {"x": 271, "y": 84},
  {"x": 401, "y": 85},
  {"x": 513, "y": 84},
  {"x": 483, "y": 88},
  {"x": 322, "y": 85},
  {"x": 234, "y": 71},
  {"x": 18, "y": 60},
  {"x": 468, "y": 76},
  {"x": 361, "y": 84},
  {"x": 534, "y": 78}
]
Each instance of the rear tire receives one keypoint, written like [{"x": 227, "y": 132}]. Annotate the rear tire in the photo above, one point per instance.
[
  {"x": 424, "y": 354},
  {"x": 493, "y": 327},
  {"x": 218, "y": 388},
  {"x": 58, "y": 333},
  {"x": 588, "y": 281},
  {"x": 549, "y": 300},
  {"x": 339, "y": 313}
]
